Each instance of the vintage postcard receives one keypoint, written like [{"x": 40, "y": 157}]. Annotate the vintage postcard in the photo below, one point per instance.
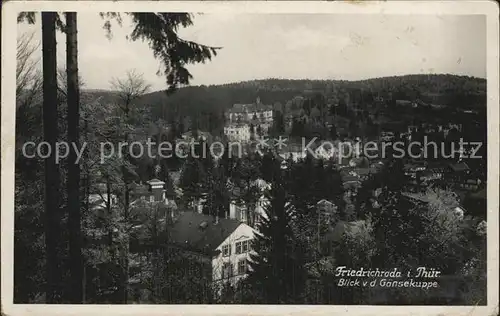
[{"x": 192, "y": 158}]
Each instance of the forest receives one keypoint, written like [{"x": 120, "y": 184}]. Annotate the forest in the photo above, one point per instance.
[{"x": 452, "y": 90}]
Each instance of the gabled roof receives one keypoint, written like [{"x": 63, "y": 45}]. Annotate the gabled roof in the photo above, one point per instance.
[
  {"x": 155, "y": 181},
  {"x": 326, "y": 206},
  {"x": 187, "y": 233},
  {"x": 416, "y": 197},
  {"x": 243, "y": 108}
]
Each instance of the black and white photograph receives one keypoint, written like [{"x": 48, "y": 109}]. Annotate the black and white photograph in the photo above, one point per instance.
[{"x": 250, "y": 154}]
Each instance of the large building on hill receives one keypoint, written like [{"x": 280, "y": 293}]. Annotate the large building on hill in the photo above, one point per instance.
[
  {"x": 248, "y": 113},
  {"x": 245, "y": 120}
]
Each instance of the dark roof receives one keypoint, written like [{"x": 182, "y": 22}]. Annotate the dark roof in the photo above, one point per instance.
[
  {"x": 403, "y": 102},
  {"x": 430, "y": 173},
  {"x": 436, "y": 170},
  {"x": 481, "y": 194},
  {"x": 462, "y": 166},
  {"x": 363, "y": 171},
  {"x": 353, "y": 173},
  {"x": 142, "y": 210},
  {"x": 416, "y": 197},
  {"x": 187, "y": 233},
  {"x": 154, "y": 181},
  {"x": 140, "y": 190},
  {"x": 242, "y": 108}
]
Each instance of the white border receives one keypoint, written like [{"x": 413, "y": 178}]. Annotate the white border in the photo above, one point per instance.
[{"x": 9, "y": 13}]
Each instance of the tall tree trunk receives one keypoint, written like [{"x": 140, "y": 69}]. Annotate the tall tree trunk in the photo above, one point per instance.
[
  {"x": 52, "y": 181},
  {"x": 109, "y": 214},
  {"x": 125, "y": 249},
  {"x": 73, "y": 183}
]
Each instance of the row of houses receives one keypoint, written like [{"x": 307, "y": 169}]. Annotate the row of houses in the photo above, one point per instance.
[{"x": 457, "y": 175}]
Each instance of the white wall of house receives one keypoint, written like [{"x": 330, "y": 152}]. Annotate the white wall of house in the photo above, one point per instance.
[
  {"x": 234, "y": 252},
  {"x": 237, "y": 210}
]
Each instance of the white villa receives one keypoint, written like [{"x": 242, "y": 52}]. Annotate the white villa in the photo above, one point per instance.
[{"x": 223, "y": 245}]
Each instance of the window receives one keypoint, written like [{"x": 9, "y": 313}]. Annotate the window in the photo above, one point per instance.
[
  {"x": 245, "y": 246},
  {"x": 227, "y": 270},
  {"x": 242, "y": 246},
  {"x": 226, "y": 250},
  {"x": 242, "y": 266},
  {"x": 151, "y": 198}
]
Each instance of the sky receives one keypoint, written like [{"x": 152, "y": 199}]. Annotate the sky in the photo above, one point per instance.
[{"x": 291, "y": 46}]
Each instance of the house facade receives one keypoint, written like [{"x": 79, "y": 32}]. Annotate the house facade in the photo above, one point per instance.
[
  {"x": 230, "y": 264},
  {"x": 238, "y": 211},
  {"x": 151, "y": 191},
  {"x": 223, "y": 243},
  {"x": 238, "y": 132}
]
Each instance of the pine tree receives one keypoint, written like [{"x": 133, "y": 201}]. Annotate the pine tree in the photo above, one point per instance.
[
  {"x": 276, "y": 274},
  {"x": 73, "y": 183},
  {"x": 53, "y": 214},
  {"x": 217, "y": 197},
  {"x": 270, "y": 166},
  {"x": 194, "y": 178}
]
